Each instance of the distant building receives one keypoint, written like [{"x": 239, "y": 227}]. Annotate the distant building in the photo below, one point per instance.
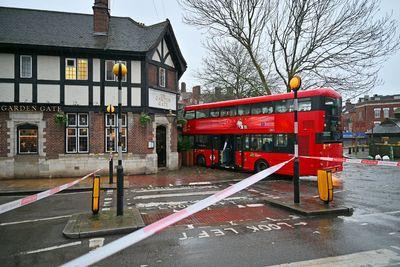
[
  {"x": 57, "y": 66},
  {"x": 368, "y": 112}
]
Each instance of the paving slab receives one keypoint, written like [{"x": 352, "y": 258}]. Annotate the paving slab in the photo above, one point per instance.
[{"x": 104, "y": 223}]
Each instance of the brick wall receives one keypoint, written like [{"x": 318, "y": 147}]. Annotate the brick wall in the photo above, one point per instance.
[
  {"x": 153, "y": 78},
  {"x": 54, "y": 136},
  {"x": 96, "y": 132},
  {"x": 171, "y": 80},
  {"x": 139, "y": 136},
  {"x": 3, "y": 134}
]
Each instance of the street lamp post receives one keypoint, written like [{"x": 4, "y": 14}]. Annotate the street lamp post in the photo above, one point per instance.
[
  {"x": 110, "y": 110},
  {"x": 120, "y": 70},
  {"x": 294, "y": 85}
]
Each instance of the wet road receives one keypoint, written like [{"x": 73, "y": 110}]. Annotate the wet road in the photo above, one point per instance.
[{"x": 241, "y": 230}]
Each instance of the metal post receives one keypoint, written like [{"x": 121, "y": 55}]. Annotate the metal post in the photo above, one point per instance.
[
  {"x": 111, "y": 164},
  {"x": 296, "y": 187},
  {"x": 120, "y": 170}
]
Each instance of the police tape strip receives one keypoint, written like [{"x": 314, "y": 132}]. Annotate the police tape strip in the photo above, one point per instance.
[
  {"x": 358, "y": 161},
  {"x": 33, "y": 198},
  {"x": 132, "y": 238}
]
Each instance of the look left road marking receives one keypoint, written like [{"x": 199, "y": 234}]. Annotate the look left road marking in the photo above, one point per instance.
[
  {"x": 53, "y": 248},
  {"x": 36, "y": 220}
]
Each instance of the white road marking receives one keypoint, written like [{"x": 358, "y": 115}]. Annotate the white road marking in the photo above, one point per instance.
[
  {"x": 36, "y": 220},
  {"x": 108, "y": 199},
  {"x": 255, "y": 205},
  {"x": 96, "y": 242},
  {"x": 53, "y": 248},
  {"x": 176, "y": 195},
  {"x": 199, "y": 183},
  {"x": 105, "y": 209},
  {"x": 380, "y": 257},
  {"x": 172, "y": 189}
]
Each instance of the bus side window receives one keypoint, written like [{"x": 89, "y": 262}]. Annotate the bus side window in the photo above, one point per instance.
[
  {"x": 247, "y": 143},
  {"x": 244, "y": 110},
  {"x": 256, "y": 143},
  {"x": 203, "y": 113},
  {"x": 255, "y": 110},
  {"x": 267, "y": 109},
  {"x": 189, "y": 115},
  {"x": 214, "y": 113},
  {"x": 267, "y": 143},
  {"x": 281, "y": 140},
  {"x": 304, "y": 104}
]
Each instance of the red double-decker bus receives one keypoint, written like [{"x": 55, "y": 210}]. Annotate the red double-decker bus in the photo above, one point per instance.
[{"x": 252, "y": 134}]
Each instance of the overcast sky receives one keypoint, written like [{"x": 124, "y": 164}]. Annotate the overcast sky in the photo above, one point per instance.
[{"x": 189, "y": 38}]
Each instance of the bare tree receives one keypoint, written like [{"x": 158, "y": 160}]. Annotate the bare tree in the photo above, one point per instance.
[
  {"x": 337, "y": 43},
  {"x": 229, "y": 68},
  {"x": 243, "y": 20}
]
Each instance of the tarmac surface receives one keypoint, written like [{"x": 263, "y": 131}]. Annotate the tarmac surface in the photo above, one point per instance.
[{"x": 280, "y": 195}]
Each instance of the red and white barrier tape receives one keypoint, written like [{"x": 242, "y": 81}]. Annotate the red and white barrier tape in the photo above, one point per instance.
[
  {"x": 132, "y": 238},
  {"x": 33, "y": 198},
  {"x": 358, "y": 161}
]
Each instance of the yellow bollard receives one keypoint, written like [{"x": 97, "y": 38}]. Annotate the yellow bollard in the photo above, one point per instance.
[
  {"x": 325, "y": 185},
  {"x": 96, "y": 194}
]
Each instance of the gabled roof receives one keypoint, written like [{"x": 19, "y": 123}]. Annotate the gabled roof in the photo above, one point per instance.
[{"x": 72, "y": 30}]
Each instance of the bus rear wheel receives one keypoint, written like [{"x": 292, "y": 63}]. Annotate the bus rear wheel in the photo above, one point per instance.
[
  {"x": 201, "y": 161},
  {"x": 260, "y": 165}
]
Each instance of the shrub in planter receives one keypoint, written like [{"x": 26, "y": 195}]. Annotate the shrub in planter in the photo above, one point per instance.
[
  {"x": 60, "y": 119},
  {"x": 144, "y": 119}
]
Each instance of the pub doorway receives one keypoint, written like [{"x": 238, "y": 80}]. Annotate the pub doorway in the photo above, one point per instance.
[{"x": 161, "y": 146}]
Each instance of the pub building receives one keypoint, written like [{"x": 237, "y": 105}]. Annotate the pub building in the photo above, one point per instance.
[{"x": 56, "y": 81}]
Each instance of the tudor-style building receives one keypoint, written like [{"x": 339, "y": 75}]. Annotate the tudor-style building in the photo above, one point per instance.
[{"x": 56, "y": 67}]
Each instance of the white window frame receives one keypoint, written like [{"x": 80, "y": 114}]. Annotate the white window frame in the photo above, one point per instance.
[
  {"x": 386, "y": 112},
  {"x": 114, "y": 78},
  {"x": 114, "y": 129},
  {"x": 377, "y": 113},
  {"x": 162, "y": 73},
  {"x": 77, "y": 126},
  {"x": 22, "y": 67}
]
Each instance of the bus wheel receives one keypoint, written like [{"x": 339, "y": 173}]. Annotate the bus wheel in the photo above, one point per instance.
[
  {"x": 201, "y": 161},
  {"x": 260, "y": 165}
]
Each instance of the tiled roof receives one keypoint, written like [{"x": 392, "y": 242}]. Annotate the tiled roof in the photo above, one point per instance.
[{"x": 61, "y": 29}]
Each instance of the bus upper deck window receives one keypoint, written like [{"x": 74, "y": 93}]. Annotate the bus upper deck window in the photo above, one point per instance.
[
  {"x": 305, "y": 104},
  {"x": 189, "y": 115},
  {"x": 255, "y": 110},
  {"x": 267, "y": 110},
  {"x": 214, "y": 113},
  {"x": 244, "y": 110},
  {"x": 202, "y": 113},
  {"x": 284, "y": 106}
]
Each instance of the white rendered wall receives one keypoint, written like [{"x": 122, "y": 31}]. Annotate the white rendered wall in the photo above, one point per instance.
[
  {"x": 25, "y": 92},
  {"x": 48, "y": 68},
  {"x": 48, "y": 93},
  {"x": 136, "y": 96},
  {"x": 7, "y": 92},
  {"x": 96, "y": 70},
  {"x": 6, "y": 66},
  {"x": 136, "y": 71},
  {"x": 96, "y": 95},
  {"x": 76, "y": 95}
]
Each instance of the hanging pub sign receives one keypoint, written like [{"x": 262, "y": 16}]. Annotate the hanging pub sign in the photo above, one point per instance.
[{"x": 30, "y": 108}]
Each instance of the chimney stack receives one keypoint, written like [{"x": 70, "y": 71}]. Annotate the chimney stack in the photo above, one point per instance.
[
  {"x": 101, "y": 17},
  {"x": 183, "y": 87},
  {"x": 196, "y": 93}
]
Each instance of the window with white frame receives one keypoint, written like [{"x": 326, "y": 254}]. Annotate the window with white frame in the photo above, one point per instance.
[
  {"x": 26, "y": 66},
  {"x": 109, "y": 70},
  {"x": 76, "y": 69},
  {"x": 161, "y": 77},
  {"x": 111, "y": 136},
  {"x": 77, "y": 133},
  {"x": 386, "y": 112},
  {"x": 377, "y": 113}
]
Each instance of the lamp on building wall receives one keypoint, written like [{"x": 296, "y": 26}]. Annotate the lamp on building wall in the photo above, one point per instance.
[
  {"x": 294, "y": 85},
  {"x": 120, "y": 71}
]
